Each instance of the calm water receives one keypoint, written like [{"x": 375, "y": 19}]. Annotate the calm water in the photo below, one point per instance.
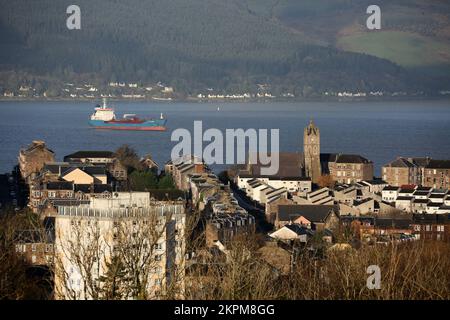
[{"x": 378, "y": 131}]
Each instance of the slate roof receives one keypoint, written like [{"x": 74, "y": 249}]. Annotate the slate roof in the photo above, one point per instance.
[
  {"x": 404, "y": 198},
  {"x": 291, "y": 165},
  {"x": 434, "y": 204},
  {"x": 404, "y": 162},
  {"x": 393, "y": 223},
  {"x": 400, "y": 163},
  {"x": 421, "y": 162},
  {"x": 98, "y": 188},
  {"x": 314, "y": 213},
  {"x": 439, "y": 164},
  {"x": 351, "y": 158},
  {"x": 420, "y": 201},
  {"x": 95, "y": 170},
  {"x": 430, "y": 218},
  {"x": 437, "y": 196},
  {"x": 65, "y": 168},
  {"x": 90, "y": 154},
  {"x": 54, "y": 167},
  {"x": 390, "y": 188},
  {"x": 420, "y": 193},
  {"x": 369, "y": 219},
  {"x": 60, "y": 185}
]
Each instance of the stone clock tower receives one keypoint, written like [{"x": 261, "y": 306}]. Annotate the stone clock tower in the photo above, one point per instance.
[{"x": 311, "y": 148}]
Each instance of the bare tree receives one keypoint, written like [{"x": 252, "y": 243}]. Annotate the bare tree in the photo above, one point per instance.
[
  {"x": 138, "y": 256},
  {"x": 15, "y": 283},
  {"x": 128, "y": 157},
  {"x": 140, "y": 245},
  {"x": 238, "y": 272},
  {"x": 79, "y": 259}
]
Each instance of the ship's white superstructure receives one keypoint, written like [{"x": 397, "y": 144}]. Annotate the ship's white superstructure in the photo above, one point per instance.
[{"x": 103, "y": 113}]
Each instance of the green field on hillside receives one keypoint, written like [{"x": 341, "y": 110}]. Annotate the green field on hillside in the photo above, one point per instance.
[{"x": 406, "y": 49}]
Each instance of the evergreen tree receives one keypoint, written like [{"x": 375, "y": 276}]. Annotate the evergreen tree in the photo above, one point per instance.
[
  {"x": 166, "y": 182},
  {"x": 143, "y": 180},
  {"x": 114, "y": 280}
]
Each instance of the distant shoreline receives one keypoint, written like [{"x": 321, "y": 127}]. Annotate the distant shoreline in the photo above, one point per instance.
[{"x": 193, "y": 100}]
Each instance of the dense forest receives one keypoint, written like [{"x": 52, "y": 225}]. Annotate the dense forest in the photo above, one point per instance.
[{"x": 188, "y": 44}]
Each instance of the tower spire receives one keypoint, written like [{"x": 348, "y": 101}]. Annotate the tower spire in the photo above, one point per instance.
[
  {"x": 311, "y": 147},
  {"x": 311, "y": 128}
]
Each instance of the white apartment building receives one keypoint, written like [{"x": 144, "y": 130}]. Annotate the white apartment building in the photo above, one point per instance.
[{"x": 146, "y": 236}]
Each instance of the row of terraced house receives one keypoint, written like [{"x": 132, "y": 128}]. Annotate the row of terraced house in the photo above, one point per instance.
[{"x": 224, "y": 218}]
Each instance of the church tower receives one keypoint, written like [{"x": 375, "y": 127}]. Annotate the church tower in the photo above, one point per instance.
[{"x": 311, "y": 148}]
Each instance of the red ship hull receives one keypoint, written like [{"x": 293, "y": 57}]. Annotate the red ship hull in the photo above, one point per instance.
[{"x": 155, "y": 128}]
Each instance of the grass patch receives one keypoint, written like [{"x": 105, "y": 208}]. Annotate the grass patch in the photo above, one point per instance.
[{"x": 404, "y": 48}]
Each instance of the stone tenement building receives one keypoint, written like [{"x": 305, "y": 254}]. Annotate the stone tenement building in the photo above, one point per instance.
[
  {"x": 343, "y": 168},
  {"x": 437, "y": 174},
  {"x": 348, "y": 168},
  {"x": 404, "y": 171},
  {"x": 418, "y": 171},
  {"x": 182, "y": 168},
  {"x": 224, "y": 218},
  {"x": 33, "y": 158}
]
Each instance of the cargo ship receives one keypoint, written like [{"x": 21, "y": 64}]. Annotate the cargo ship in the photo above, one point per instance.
[{"x": 105, "y": 118}]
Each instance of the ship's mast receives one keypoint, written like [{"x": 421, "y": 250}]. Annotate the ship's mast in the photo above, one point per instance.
[{"x": 104, "y": 103}]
